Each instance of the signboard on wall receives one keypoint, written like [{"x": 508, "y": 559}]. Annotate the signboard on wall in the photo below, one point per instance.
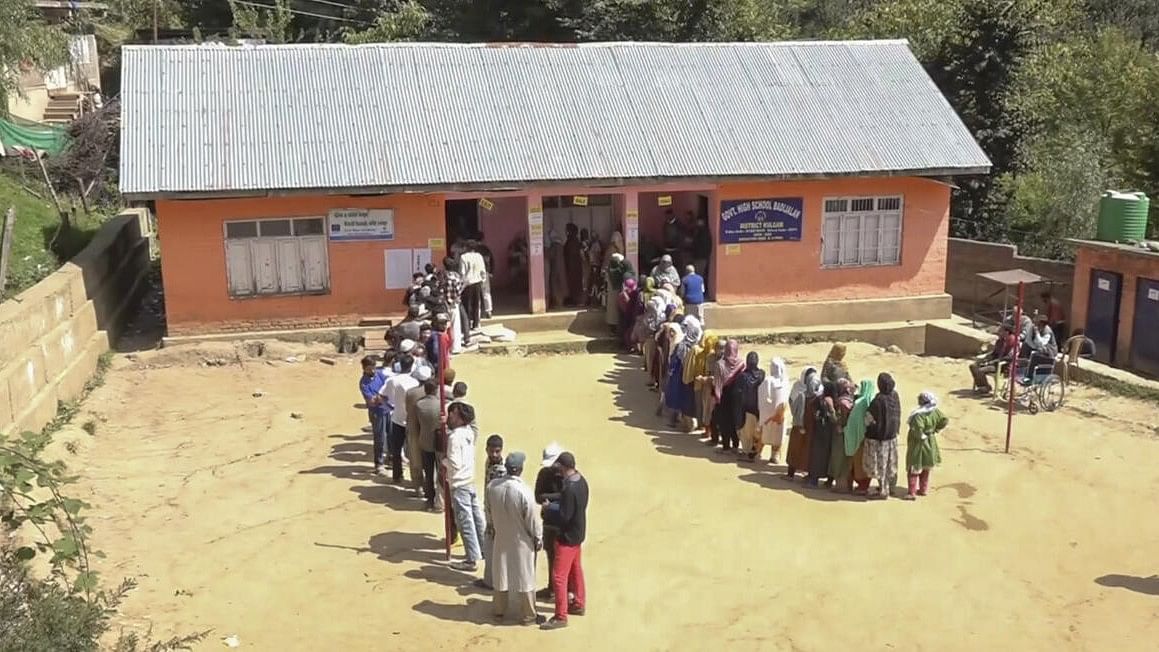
[
  {"x": 357, "y": 224},
  {"x": 761, "y": 220}
]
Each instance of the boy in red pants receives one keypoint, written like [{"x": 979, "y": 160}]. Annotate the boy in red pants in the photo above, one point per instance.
[{"x": 570, "y": 516}]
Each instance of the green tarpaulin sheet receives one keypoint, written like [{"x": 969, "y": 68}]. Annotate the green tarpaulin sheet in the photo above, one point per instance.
[{"x": 31, "y": 137}]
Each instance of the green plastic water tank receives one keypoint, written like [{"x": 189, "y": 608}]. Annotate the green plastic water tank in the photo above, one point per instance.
[{"x": 1122, "y": 216}]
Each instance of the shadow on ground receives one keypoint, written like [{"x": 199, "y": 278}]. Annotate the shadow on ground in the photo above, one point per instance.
[{"x": 1144, "y": 585}]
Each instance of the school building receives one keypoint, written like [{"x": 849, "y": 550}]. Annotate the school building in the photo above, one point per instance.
[{"x": 299, "y": 185}]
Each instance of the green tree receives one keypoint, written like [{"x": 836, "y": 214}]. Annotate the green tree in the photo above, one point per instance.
[
  {"x": 405, "y": 21},
  {"x": 1056, "y": 194},
  {"x": 26, "y": 40},
  {"x": 273, "y": 25}
]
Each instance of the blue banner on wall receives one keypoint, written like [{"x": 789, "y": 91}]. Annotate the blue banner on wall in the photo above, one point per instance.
[{"x": 761, "y": 220}]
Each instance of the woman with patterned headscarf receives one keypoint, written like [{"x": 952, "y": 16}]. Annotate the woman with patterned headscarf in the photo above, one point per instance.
[
  {"x": 728, "y": 368},
  {"x": 922, "y": 452}
]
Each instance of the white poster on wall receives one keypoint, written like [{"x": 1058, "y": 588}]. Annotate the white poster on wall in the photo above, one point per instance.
[
  {"x": 357, "y": 224},
  {"x": 398, "y": 269}
]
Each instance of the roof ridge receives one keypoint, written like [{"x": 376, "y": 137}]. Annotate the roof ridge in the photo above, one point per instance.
[{"x": 515, "y": 45}]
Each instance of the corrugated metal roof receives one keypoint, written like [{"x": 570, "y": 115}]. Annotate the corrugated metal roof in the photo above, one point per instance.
[{"x": 222, "y": 119}]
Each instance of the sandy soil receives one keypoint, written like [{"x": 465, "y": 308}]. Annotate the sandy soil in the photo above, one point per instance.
[{"x": 237, "y": 518}]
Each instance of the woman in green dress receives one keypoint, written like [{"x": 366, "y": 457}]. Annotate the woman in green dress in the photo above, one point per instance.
[{"x": 922, "y": 452}]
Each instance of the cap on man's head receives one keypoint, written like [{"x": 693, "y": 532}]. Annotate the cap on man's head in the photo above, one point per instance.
[
  {"x": 551, "y": 453},
  {"x": 423, "y": 374},
  {"x": 515, "y": 460},
  {"x": 566, "y": 460},
  {"x": 666, "y": 258},
  {"x": 406, "y": 346}
]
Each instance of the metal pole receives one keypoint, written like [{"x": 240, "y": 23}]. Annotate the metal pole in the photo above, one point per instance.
[
  {"x": 446, "y": 487},
  {"x": 156, "y": 11},
  {"x": 1011, "y": 388}
]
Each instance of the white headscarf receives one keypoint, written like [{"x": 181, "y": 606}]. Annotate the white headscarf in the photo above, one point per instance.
[
  {"x": 693, "y": 333},
  {"x": 776, "y": 387},
  {"x": 928, "y": 402}
]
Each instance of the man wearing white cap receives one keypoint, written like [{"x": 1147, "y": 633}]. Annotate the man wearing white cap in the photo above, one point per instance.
[
  {"x": 548, "y": 485},
  {"x": 413, "y": 451}
]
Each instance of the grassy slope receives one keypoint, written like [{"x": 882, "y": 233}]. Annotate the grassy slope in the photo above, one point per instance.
[{"x": 36, "y": 223}]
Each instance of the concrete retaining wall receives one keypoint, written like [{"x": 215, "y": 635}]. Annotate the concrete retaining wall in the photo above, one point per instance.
[
  {"x": 53, "y": 334},
  {"x": 968, "y": 258}
]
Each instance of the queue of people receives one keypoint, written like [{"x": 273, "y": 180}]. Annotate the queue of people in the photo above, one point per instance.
[
  {"x": 502, "y": 528},
  {"x": 840, "y": 435}
]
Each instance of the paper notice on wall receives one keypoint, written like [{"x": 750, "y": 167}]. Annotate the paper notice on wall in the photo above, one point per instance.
[
  {"x": 486, "y": 204},
  {"x": 535, "y": 217},
  {"x": 537, "y": 247},
  {"x": 579, "y": 200},
  {"x": 420, "y": 259},
  {"x": 438, "y": 244},
  {"x": 1153, "y": 295},
  {"x": 1104, "y": 284},
  {"x": 632, "y": 217},
  {"x": 398, "y": 268},
  {"x": 732, "y": 250},
  {"x": 664, "y": 200}
]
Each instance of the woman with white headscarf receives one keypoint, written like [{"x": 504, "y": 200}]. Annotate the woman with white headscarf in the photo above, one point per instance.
[
  {"x": 773, "y": 402},
  {"x": 922, "y": 452},
  {"x": 680, "y": 394}
]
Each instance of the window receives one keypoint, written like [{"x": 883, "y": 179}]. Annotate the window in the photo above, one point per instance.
[
  {"x": 861, "y": 231},
  {"x": 278, "y": 256}
]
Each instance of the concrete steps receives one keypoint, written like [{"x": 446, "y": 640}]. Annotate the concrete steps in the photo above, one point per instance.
[{"x": 62, "y": 109}]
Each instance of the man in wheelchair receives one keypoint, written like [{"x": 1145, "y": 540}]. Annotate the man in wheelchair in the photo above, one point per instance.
[{"x": 1043, "y": 347}]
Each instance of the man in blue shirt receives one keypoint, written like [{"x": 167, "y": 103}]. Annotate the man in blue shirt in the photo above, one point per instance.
[
  {"x": 371, "y": 382},
  {"x": 692, "y": 291}
]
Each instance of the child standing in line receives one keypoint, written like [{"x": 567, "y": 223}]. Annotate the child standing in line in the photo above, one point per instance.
[{"x": 922, "y": 452}]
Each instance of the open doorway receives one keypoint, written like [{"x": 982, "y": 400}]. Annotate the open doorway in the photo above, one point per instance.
[
  {"x": 577, "y": 230},
  {"x": 499, "y": 225},
  {"x": 676, "y": 223}
]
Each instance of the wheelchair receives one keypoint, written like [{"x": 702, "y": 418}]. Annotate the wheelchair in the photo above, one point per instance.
[{"x": 1037, "y": 388}]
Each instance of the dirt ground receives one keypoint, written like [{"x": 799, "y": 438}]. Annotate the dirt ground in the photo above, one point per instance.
[{"x": 235, "y": 517}]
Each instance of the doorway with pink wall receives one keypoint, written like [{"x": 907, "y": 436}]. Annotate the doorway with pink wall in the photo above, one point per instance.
[{"x": 503, "y": 223}]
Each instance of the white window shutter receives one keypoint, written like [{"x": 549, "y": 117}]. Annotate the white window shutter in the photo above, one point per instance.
[
  {"x": 891, "y": 238},
  {"x": 850, "y": 239},
  {"x": 264, "y": 254},
  {"x": 831, "y": 240},
  {"x": 316, "y": 270},
  {"x": 289, "y": 265},
  {"x": 870, "y": 239},
  {"x": 239, "y": 269}
]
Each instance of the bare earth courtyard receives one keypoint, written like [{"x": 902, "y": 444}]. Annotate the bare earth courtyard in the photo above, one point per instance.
[{"x": 237, "y": 518}]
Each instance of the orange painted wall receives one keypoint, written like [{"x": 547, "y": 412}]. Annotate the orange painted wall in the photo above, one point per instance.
[
  {"x": 791, "y": 271},
  {"x": 193, "y": 263},
  {"x": 1132, "y": 267}
]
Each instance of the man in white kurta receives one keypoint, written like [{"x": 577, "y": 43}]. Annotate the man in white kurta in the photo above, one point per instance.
[{"x": 512, "y": 514}]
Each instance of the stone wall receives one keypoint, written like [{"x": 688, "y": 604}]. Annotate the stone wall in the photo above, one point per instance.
[
  {"x": 968, "y": 258},
  {"x": 52, "y": 335}
]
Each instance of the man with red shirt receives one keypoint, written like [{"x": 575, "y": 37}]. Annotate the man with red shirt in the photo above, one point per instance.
[{"x": 1004, "y": 348}]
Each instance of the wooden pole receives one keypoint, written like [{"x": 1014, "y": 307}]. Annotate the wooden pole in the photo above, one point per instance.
[
  {"x": 1011, "y": 382},
  {"x": 156, "y": 12},
  {"x": 51, "y": 189},
  {"x": 83, "y": 201},
  {"x": 6, "y": 246}
]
